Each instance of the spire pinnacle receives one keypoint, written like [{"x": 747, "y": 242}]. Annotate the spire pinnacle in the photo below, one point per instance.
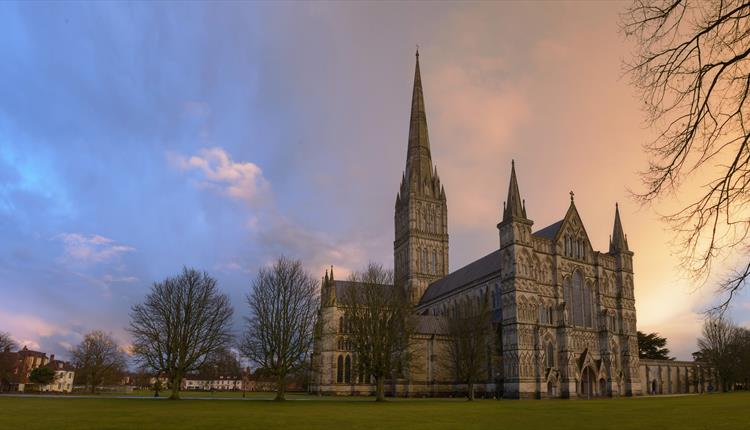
[
  {"x": 514, "y": 207},
  {"x": 418, "y": 158},
  {"x": 618, "y": 242}
]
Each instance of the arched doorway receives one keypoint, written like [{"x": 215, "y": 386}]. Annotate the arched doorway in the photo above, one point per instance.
[
  {"x": 602, "y": 387},
  {"x": 587, "y": 383},
  {"x": 552, "y": 389}
]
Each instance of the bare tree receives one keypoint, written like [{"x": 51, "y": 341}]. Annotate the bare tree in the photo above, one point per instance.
[
  {"x": 182, "y": 321},
  {"x": 98, "y": 360},
  {"x": 716, "y": 346},
  {"x": 8, "y": 360},
  {"x": 692, "y": 69},
  {"x": 379, "y": 324},
  {"x": 221, "y": 362},
  {"x": 6, "y": 342},
  {"x": 469, "y": 327},
  {"x": 283, "y": 303},
  {"x": 726, "y": 347}
]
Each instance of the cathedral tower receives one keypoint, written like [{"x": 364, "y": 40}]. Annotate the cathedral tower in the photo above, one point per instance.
[
  {"x": 420, "y": 248},
  {"x": 516, "y": 248}
]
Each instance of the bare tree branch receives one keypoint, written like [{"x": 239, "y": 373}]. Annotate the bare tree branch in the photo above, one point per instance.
[
  {"x": 692, "y": 70},
  {"x": 182, "y": 321},
  {"x": 379, "y": 323},
  {"x": 98, "y": 360},
  {"x": 469, "y": 327},
  {"x": 283, "y": 305}
]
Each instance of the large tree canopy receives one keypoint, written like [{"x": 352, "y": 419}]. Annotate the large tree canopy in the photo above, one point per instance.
[
  {"x": 181, "y": 323},
  {"x": 98, "y": 360},
  {"x": 284, "y": 304},
  {"x": 379, "y": 323},
  {"x": 692, "y": 69}
]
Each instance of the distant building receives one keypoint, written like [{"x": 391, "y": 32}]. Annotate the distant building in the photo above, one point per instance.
[
  {"x": 64, "y": 375},
  {"x": 20, "y": 364},
  {"x": 200, "y": 382}
]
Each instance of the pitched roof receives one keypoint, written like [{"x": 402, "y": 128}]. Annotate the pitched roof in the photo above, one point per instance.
[
  {"x": 478, "y": 269},
  {"x": 60, "y": 365},
  {"x": 550, "y": 231}
]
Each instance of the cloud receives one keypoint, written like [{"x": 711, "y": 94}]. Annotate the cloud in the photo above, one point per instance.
[
  {"x": 241, "y": 181},
  {"x": 91, "y": 249},
  {"x": 30, "y": 330},
  {"x": 276, "y": 233}
]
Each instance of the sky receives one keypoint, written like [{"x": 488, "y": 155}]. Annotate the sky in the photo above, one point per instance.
[{"x": 138, "y": 138}]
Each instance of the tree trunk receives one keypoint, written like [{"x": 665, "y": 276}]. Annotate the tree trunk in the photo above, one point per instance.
[
  {"x": 379, "y": 389},
  {"x": 176, "y": 380},
  {"x": 280, "y": 387},
  {"x": 470, "y": 394}
]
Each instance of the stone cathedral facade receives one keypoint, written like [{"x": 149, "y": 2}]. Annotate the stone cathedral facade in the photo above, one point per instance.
[{"x": 563, "y": 313}]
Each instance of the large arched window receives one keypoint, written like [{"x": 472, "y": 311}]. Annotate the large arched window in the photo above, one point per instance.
[
  {"x": 348, "y": 370},
  {"x": 577, "y": 298},
  {"x": 587, "y": 299},
  {"x": 568, "y": 293},
  {"x": 550, "y": 355},
  {"x": 340, "y": 370}
]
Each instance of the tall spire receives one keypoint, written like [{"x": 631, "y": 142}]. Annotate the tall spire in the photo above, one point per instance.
[
  {"x": 514, "y": 207},
  {"x": 618, "y": 242},
  {"x": 418, "y": 159}
]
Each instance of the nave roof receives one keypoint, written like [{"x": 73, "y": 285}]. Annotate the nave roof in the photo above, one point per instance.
[{"x": 478, "y": 269}]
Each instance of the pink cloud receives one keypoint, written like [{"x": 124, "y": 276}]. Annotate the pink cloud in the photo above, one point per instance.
[{"x": 238, "y": 180}]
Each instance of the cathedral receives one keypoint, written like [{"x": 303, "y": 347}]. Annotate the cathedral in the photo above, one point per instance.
[{"x": 564, "y": 314}]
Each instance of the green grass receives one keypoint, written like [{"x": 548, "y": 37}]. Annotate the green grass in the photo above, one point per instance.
[{"x": 715, "y": 412}]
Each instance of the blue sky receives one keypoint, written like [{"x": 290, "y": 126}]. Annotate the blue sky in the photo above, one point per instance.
[{"x": 136, "y": 138}]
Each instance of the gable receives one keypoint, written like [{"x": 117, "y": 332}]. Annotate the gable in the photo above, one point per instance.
[{"x": 570, "y": 234}]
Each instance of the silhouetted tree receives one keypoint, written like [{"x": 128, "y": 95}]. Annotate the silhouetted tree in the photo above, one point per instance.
[
  {"x": 726, "y": 347},
  {"x": 221, "y": 362},
  {"x": 98, "y": 360},
  {"x": 652, "y": 346},
  {"x": 469, "y": 327},
  {"x": 692, "y": 68},
  {"x": 7, "y": 360},
  {"x": 283, "y": 303},
  {"x": 379, "y": 324},
  {"x": 183, "y": 320},
  {"x": 7, "y": 343}
]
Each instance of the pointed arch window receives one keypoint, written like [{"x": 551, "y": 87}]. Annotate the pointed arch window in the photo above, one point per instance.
[
  {"x": 577, "y": 298},
  {"x": 340, "y": 369},
  {"x": 588, "y": 320},
  {"x": 348, "y": 370},
  {"x": 568, "y": 293},
  {"x": 550, "y": 355}
]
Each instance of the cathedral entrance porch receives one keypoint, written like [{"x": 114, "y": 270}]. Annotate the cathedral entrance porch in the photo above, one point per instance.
[{"x": 587, "y": 383}]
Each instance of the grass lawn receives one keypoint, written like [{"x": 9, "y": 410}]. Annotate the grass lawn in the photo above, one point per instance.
[{"x": 718, "y": 411}]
